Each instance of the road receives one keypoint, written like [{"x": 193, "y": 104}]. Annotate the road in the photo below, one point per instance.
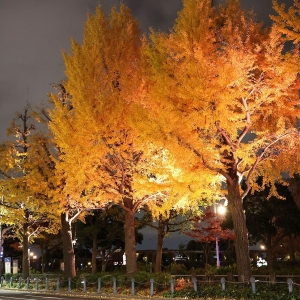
[{"x": 16, "y": 295}]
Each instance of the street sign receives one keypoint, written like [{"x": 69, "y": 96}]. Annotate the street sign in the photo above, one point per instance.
[{"x": 7, "y": 261}]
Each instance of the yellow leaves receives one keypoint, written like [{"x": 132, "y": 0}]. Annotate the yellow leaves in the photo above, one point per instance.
[
  {"x": 160, "y": 121},
  {"x": 288, "y": 21},
  {"x": 234, "y": 75}
]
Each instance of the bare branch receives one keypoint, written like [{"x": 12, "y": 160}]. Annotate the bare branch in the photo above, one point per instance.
[{"x": 248, "y": 120}]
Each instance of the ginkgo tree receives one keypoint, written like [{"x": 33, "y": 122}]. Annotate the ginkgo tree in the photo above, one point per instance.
[
  {"x": 103, "y": 158},
  {"x": 26, "y": 210},
  {"x": 223, "y": 98},
  {"x": 49, "y": 182}
]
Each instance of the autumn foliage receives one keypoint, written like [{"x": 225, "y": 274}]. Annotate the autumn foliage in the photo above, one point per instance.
[
  {"x": 207, "y": 228},
  {"x": 167, "y": 121}
]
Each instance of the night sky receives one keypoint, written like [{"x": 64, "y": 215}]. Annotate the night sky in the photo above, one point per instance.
[{"x": 33, "y": 34}]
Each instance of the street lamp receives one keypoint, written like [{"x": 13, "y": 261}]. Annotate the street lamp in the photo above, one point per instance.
[{"x": 221, "y": 210}]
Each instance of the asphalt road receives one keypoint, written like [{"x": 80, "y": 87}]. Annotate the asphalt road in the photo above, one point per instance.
[
  {"x": 16, "y": 295},
  {"x": 25, "y": 295}
]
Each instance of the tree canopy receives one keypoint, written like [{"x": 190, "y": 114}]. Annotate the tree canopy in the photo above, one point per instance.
[
  {"x": 223, "y": 98},
  {"x": 104, "y": 159}
]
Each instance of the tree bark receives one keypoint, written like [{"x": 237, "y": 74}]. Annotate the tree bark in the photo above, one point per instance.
[
  {"x": 292, "y": 247},
  {"x": 130, "y": 243},
  {"x": 240, "y": 230},
  {"x": 160, "y": 242},
  {"x": 104, "y": 260},
  {"x": 94, "y": 254},
  {"x": 270, "y": 258},
  {"x": 26, "y": 257},
  {"x": 68, "y": 250},
  {"x": 206, "y": 250}
]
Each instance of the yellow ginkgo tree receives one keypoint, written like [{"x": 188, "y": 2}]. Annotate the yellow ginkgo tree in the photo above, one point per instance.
[
  {"x": 24, "y": 206},
  {"x": 103, "y": 158},
  {"x": 223, "y": 99}
]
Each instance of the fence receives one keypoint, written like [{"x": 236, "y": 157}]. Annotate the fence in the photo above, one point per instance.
[{"x": 111, "y": 283}]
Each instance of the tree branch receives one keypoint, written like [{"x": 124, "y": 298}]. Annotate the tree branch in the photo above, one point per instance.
[
  {"x": 248, "y": 120},
  {"x": 260, "y": 157}
]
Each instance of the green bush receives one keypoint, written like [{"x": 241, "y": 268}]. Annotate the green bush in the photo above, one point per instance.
[
  {"x": 240, "y": 291},
  {"x": 176, "y": 269}
]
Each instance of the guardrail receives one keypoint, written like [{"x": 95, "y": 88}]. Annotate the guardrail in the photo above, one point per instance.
[{"x": 59, "y": 284}]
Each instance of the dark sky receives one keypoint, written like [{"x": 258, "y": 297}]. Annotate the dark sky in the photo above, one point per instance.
[{"x": 33, "y": 34}]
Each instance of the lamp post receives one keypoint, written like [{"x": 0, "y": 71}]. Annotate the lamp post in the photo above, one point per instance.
[{"x": 221, "y": 211}]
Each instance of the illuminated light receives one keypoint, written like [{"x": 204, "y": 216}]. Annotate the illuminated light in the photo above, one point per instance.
[{"x": 221, "y": 210}]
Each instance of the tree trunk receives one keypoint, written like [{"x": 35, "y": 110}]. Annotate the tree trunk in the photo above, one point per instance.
[
  {"x": 130, "y": 243},
  {"x": 26, "y": 257},
  {"x": 46, "y": 260},
  {"x": 292, "y": 247},
  {"x": 240, "y": 230},
  {"x": 104, "y": 260},
  {"x": 42, "y": 261},
  {"x": 68, "y": 250},
  {"x": 206, "y": 250},
  {"x": 94, "y": 254},
  {"x": 270, "y": 262},
  {"x": 160, "y": 241}
]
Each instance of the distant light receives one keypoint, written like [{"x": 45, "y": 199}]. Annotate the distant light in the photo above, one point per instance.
[
  {"x": 261, "y": 262},
  {"x": 262, "y": 247}
]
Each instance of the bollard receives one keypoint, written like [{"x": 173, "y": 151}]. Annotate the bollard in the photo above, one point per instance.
[
  {"x": 27, "y": 283},
  {"x": 57, "y": 284},
  {"x": 194, "y": 279},
  {"x": 151, "y": 287},
  {"x": 132, "y": 286},
  {"x": 69, "y": 284},
  {"x": 290, "y": 285},
  {"x": 10, "y": 282},
  {"x": 252, "y": 280},
  {"x": 223, "y": 283},
  {"x": 99, "y": 285},
  {"x": 84, "y": 284},
  {"x": 172, "y": 286},
  {"x": 36, "y": 283},
  {"x": 115, "y": 285},
  {"x": 47, "y": 283},
  {"x": 20, "y": 282}
]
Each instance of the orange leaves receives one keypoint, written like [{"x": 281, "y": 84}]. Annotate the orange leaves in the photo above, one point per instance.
[{"x": 288, "y": 21}]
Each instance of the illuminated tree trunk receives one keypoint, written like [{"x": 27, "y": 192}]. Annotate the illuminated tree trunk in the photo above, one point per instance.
[
  {"x": 160, "y": 241},
  {"x": 130, "y": 243},
  {"x": 68, "y": 250},
  {"x": 25, "y": 258},
  {"x": 240, "y": 230}
]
